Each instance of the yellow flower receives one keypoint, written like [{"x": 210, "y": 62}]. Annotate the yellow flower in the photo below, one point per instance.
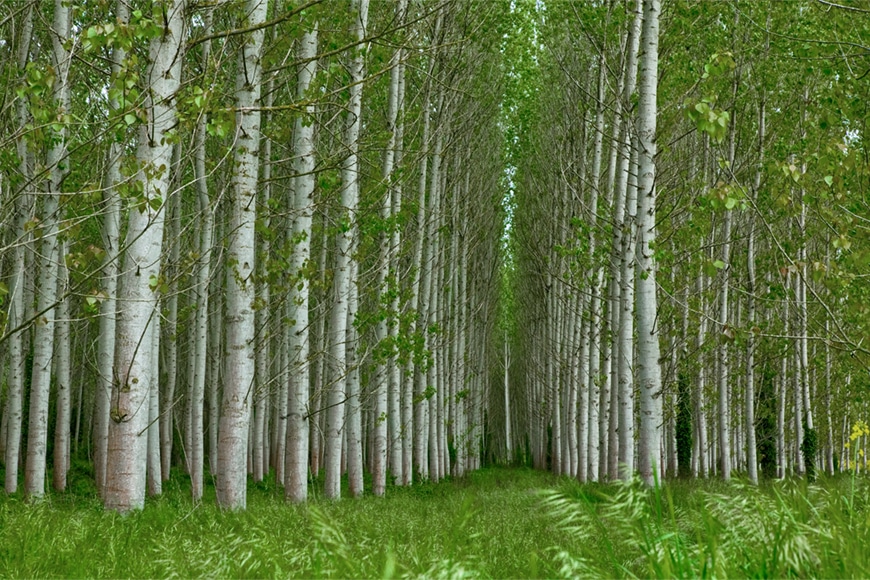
[{"x": 859, "y": 429}]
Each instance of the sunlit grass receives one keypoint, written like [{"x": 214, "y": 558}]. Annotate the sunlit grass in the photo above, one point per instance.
[{"x": 502, "y": 523}]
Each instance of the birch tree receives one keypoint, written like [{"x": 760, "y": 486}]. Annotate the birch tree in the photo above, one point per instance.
[
  {"x": 649, "y": 371},
  {"x": 299, "y": 337},
  {"x": 231, "y": 482},
  {"x": 342, "y": 279},
  {"x": 134, "y": 365}
]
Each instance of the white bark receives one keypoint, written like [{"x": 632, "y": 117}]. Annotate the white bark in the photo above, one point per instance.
[
  {"x": 649, "y": 370},
  {"x": 62, "y": 377},
  {"x": 47, "y": 260},
  {"x": 353, "y": 421},
  {"x": 751, "y": 455},
  {"x": 134, "y": 367},
  {"x": 622, "y": 324},
  {"x": 201, "y": 316},
  {"x": 590, "y": 447},
  {"x": 384, "y": 363},
  {"x": 342, "y": 278},
  {"x": 298, "y": 408},
  {"x": 231, "y": 482},
  {"x": 154, "y": 480},
  {"x": 17, "y": 315}
]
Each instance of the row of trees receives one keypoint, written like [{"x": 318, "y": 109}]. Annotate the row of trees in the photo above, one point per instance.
[
  {"x": 246, "y": 236},
  {"x": 753, "y": 356},
  {"x": 361, "y": 243}
]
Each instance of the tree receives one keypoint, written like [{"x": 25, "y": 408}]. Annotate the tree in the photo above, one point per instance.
[
  {"x": 236, "y": 402},
  {"x": 134, "y": 366}
]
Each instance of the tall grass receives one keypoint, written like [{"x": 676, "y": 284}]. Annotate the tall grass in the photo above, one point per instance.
[
  {"x": 714, "y": 529},
  {"x": 488, "y": 525},
  {"x": 502, "y": 523}
]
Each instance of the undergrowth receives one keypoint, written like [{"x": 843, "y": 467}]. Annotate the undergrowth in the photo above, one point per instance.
[
  {"x": 502, "y": 523},
  {"x": 715, "y": 529}
]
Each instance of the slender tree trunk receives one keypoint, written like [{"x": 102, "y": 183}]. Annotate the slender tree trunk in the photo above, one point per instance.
[
  {"x": 384, "y": 364},
  {"x": 111, "y": 234},
  {"x": 231, "y": 484},
  {"x": 298, "y": 408},
  {"x": 62, "y": 377},
  {"x": 17, "y": 302},
  {"x": 353, "y": 421},
  {"x": 781, "y": 451},
  {"x": 215, "y": 368},
  {"x": 134, "y": 364},
  {"x": 201, "y": 315},
  {"x": 626, "y": 198},
  {"x": 343, "y": 272},
  {"x": 700, "y": 395},
  {"x": 47, "y": 263},
  {"x": 154, "y": 481},
  {"x": 649, "y": 371},
  {"x": 751, "y": 455}
]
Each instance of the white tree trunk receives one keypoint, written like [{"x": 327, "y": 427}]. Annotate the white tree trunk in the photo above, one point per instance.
[
  {"x": 201, "y": 317},
  {"x": 17, "y": 315},
  {"x": 353, "y": 421},
  {"x": 154, "y": 481},
  {"x": 111, "y": 235},
  {"x": 134, "y": 367},
  {"x": 649, "y": 370},
  {"x": 196, "y": 453},
  {"x": 231, "y": 483},
  {"x": 342, "y": 277},
  {"x": 622, "y": 324},
  {"x": 751, "y": 455},
  {"x": 47, "y": 263},
  {"x": 298, "y": 408},
  {"x": 385, "y": 363},
  {"x": 62, "y": 377}
]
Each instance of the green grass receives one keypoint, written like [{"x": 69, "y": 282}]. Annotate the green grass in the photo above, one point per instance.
[
  {"x": 496, "y": 523},
  {"x": 489, "y": 524},
  {"x": 715, "y": 529}
]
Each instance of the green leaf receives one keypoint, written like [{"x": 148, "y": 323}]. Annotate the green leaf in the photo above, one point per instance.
[
  {"x": 718, "y": 264},
  {"x": 829, "y": 179}
]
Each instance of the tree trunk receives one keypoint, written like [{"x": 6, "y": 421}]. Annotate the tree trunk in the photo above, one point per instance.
[
  {"x": 385, "y": 363},
  {"x": 134, "y": 364},
  {"x": 17, "y": 303},
  {"x": 625, "y": 202},
  {"x": 299, "y": 349},
  {"x": 342, "y": 277},
  {"x": 62, "y": 377},
  {"x": 649, "y": 371},
  {"x": 231, "y": 483},
  {"x": 47, "y": 263}
]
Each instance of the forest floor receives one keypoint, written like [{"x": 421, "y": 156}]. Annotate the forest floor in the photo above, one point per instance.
[{"x": 498, "y": 522}]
